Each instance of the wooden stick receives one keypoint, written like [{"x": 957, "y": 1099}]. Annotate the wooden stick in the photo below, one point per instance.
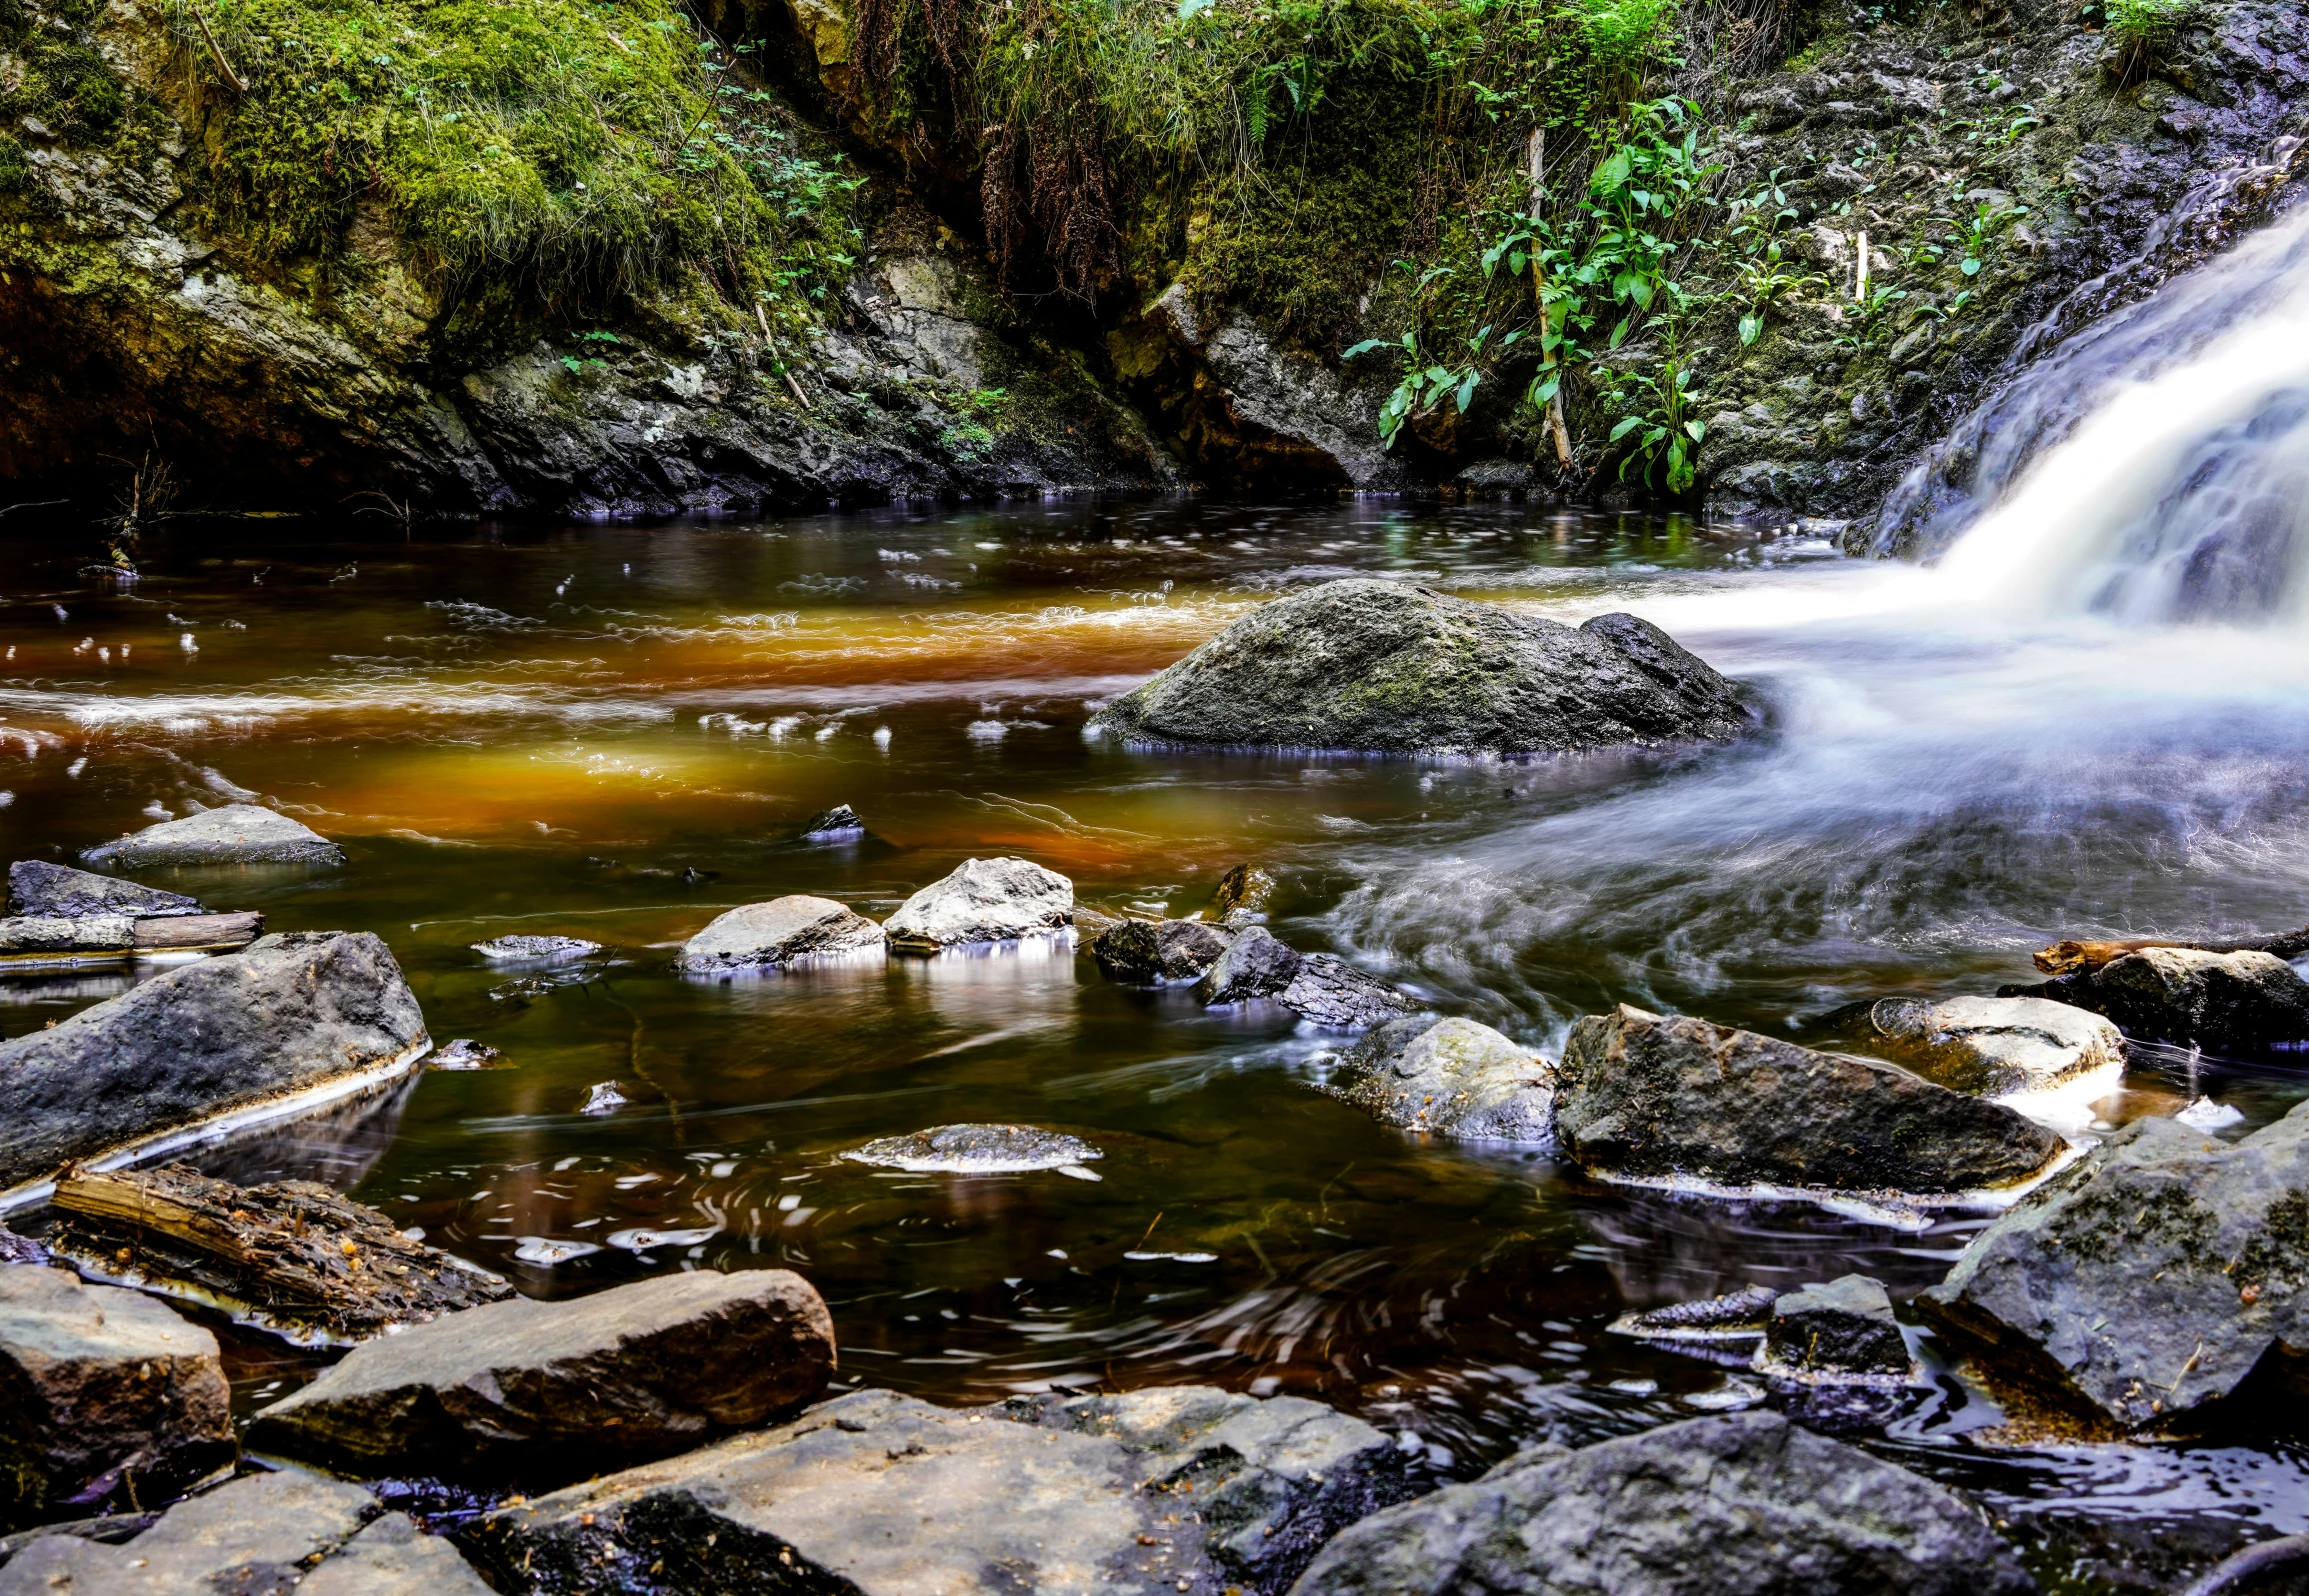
[
  {"x": 222, "y": 65},
  {"x": 159, "y": 933}
]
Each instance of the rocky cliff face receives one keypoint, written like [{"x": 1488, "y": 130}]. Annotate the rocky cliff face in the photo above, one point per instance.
[{"x": 1998, "y": 176}]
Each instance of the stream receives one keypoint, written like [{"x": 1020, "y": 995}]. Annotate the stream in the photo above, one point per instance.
[{"x": 616, "y": 733}]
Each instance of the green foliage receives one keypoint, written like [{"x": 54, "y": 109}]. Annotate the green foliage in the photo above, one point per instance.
[
  {"x": 2145, "y": 24},
  {"x": 15, "y": 171},
  {"x": 1657, "y": 422},
  {"x": 583, "y": 150},
  {"x": 64, "y": 85}
]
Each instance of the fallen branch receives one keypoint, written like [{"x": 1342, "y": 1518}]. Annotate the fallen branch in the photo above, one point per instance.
[{"x": 222, "y": 65}]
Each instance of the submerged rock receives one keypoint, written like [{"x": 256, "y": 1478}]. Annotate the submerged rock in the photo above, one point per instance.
[
  {"x": 235, "y": 834},
  {"x": 603, "y": 1097},
  {"x": 463, "y": 1054},
  {"x": 983, "y": 900},
  {"x": 1242, "y": 895},
  {"x": 1842, "y": 1330},
  {"x": 1332, "y": 995},
  {"x": 2232, "y": 1002},
  {"x": 36, "y": 887},
  {"x": 1996, "y": 1047},
  {"x": 886, "y": 1495},
  {"x": 1255, "y": 965},
  {"x": 1389, "y": 667},
  {"x": 241, "y": 1031},
  {"x": 1151, "y": 952},
  {"x": 838, "y": 824},
  {"x": 782, "y": 931},
  {"x": 105, "y": 1395},
  {"x": 1452, "y": 1077},
  {"x": 535, "y": 950},
  {"x": 2151, "y": 1280},
  {"x": 1735, "y": 1316},
  {"x": 1742, "y": 1505},
  {"x": 547, "y": 1392},
  {"x": 979, "y": 1150},
  {"x": 1646, "y": 1098},
  {"x": 259, "y": 1533}
]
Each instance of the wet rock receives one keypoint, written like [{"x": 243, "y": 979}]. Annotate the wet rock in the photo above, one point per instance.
[
  {"x": 1646, "y": 1098},
  {"x": 1272, "y": 1479},
  {"x": 235, "y": 834},
  {"x": 1997, "y": 1047},
  {"x": 886, "y": 1495},
  {"x": 535, "y": 950},
  {"x": 463, "y": 1054},
  {"x": 1390, "y": 667},
  {"x": 291, "y": 1255},
  {"x": 36, "y": 887},
  {"x": 105, "y": 1395},
  {"x": 2232, "y": 1002},
  {"x": 979, "y": 1150},
  {"x": 260, "y": 1535},
  {"x": 603, "y": 1097},
  {"x": 1151, "y": 952},
  {"x": 239, "y": 1032},
  {"x": 1735, "y": 1316},
  {"x": 546, "y": 1392},
  {"x": 783, "y": 931},
  {"x": 1332, "y": 995},
  {"x": 838, "y": 824},
  {"x": 2151, "y": 1280},
  {"x": 1255, "y": 965},
  {"x": 1452, "y": 1077},
  {"x": 983, "y": 900},
  {"x": 1843, "y": 1329},
  {"x": 1778, "y": 1511},
  {"x": 1242, "y": 895}
]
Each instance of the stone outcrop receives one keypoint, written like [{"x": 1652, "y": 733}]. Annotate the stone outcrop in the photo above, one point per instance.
[
  {"x": 234, "y": 834},
  {"x": 546, "y": 1392},
  {"x": 1842, "y": 1330},
  {"x": 1654, "y": 1099},
  {"x": 1332, "y": 995},
  {"x": 2228, "y": 1002},
  {"x": 2151, "y": 1281},
  {"x": 1451, "y": 1077},
  {"x": 1390, "y": 667},
  {"x": 887, "y": 1495},
  {"x": 1743, "y": 1505},
  {"x": 260, "y": 1533},
  {"x": 38, "y": 888},
  {"x": 292, "y": 1015},
  {"x": 982, "y": 900},
  {"x": 783, "y": 931},
  {"x": 1996, "y": 1047},
  {"x": 1255, "y": 965},
  {"x": 105, "y": 1396},
  {"x": 1154, "y": 952}
]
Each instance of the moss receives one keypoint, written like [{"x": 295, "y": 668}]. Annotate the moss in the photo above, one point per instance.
[
  {"x": 15, "y": 171},
  {"x": 65, "y": 86}
]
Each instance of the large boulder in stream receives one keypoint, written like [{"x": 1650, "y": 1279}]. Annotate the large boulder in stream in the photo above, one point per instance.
[
  {"x": 1153, "y": 952},
  {"x": 1744, "y": 1505},
  {"x": 1255, "y": 965},
  {"x": 105, "y": 1395},
  {"x": 1451, "y": 1077},
  {"x": 982, "y": 900},
  {"x": 1650, "y": 1099},
  {"x": 292, "y": 1017},
  {"x": 547, "y": 1392},
  {"x": 880, "y": 1494},
  {"x": 2155, "y": 1278},
  {"x": 2237, "y": 1002},
  {"x": 785, "y": 930},
  {"x": 234, "y": 834},
  {"x": 1390, "y": 667},
  {"x": 1995, "y": 1046},
  {"x": 39, "y": 889}
]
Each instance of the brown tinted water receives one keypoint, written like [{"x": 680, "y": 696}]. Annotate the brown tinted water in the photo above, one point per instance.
[{"x": 618, "y": 733}]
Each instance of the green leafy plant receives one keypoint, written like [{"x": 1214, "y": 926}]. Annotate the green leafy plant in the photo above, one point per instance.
[{"x": 1660, "y": 429}]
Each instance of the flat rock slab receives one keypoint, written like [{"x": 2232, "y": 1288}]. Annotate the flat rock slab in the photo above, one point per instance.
[
  {"x": 1842, "y": 1330},
  {"x": 292, "y": 1254},
  {"x": 260, "y": 1535},
  {"x": 1645, "y": 1098},
  {"x": 291, "y": 1014},
  {"x": 978, "y": 1150},
  {"x": 546, "y": 1392},
  {"x": 2239, "y": 1002},
  {"x": 785, "y": 930},
  {"x": 2000, "y": 1046},
  {"x": 107, "y": 1396},
  {"x": 1332, "y": 995},
  {"x": 1451, "y": 1077},
  {"x": 2152, "y": 1279},
  {"x": 886, "y": 1495},
  {"x": 1742, "y": 1505},
  {"x": 983, "y": 900},
  {"x": 36, "y": 887},
  {"x": 235, "y": 834},
  {"x": 1155, "y": 952},
  {"x": 1255, "y": 965},
  {"x": 1390, "y": 667}
]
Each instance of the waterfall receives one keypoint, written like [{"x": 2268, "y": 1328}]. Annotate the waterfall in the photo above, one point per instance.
[{"x": 2155, "y": 466}]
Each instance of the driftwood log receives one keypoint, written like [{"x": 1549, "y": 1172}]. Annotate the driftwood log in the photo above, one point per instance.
[
  {"x": 2067, "y": 958},
  {"x": 294, "y": 1255},
  {"x": 36, "y": 940}
]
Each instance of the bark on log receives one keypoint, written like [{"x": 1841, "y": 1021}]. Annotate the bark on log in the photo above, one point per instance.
[{"x": 159, "y": 933}]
